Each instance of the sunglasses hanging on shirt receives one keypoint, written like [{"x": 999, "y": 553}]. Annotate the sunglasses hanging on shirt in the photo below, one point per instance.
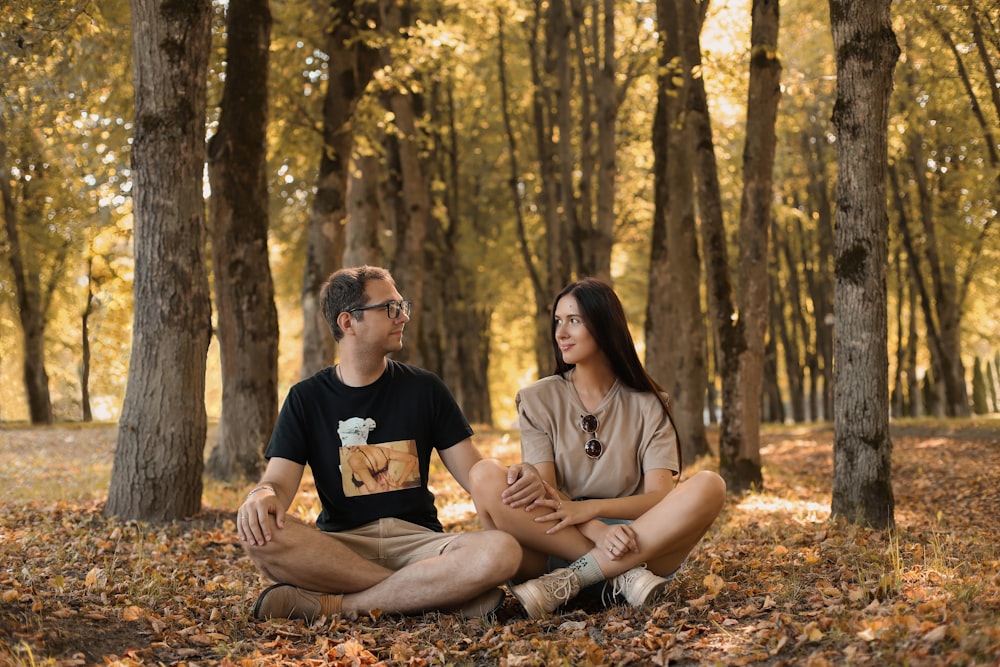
[{"x": 593, "y": 447}]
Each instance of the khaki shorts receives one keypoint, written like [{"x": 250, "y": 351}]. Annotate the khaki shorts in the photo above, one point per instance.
[{"x": 394, "y": 543}]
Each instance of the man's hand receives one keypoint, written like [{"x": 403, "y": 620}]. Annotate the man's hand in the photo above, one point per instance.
[
  {"x": 253, "y": 521},
  {"x": 524, "y": 485}
]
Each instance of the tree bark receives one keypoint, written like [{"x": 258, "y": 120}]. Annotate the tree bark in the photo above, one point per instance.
[
  {"x": 536, "y": 278},
  {"x": 352, "y": 65},
  {"x": 675, "y": 332},
  {"x": 866, "y": 54},
  {"x": 364, "y": 213},
  {"x": 755, "y": 222},
  {"x": 945, "y": 306},
  {"x": 794, "y": 331},
  {"x": 88, "y": 309},
  {"x": 821, "y": 277},
  {"x": 30, "y": 300},
  {"x": 740, "y": 323},
  {"x": 158, "y": 465},
  {"x": 246, "y": 314}
]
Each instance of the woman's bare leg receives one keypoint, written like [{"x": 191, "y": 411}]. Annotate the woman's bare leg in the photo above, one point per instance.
[
  {"x": 669, "y": 530},
  {"x": 488, "y": 481}
]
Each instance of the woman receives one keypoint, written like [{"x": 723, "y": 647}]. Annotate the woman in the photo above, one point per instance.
[{"x": 599, "y": 433}]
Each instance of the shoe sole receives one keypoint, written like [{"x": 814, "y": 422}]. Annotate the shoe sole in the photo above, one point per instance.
[
  {"x": 489, "y": 608},
  {"x": 532, "y": 607}
]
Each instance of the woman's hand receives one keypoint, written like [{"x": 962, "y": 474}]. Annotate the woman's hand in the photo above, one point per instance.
[
  {"x": 618, "y": 540},
  {"x": 563, "y": 511}
]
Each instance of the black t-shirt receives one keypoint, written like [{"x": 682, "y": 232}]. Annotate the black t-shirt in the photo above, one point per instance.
[{"x": 381, "y": 437}]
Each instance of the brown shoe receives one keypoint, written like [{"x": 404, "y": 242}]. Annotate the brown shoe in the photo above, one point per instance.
[
  {"x": 287, "y": 601},
  {"x": 482, "y": 605}
]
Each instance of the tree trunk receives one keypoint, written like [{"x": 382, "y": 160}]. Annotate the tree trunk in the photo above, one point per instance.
[
  {"x": 536, "y": 278},
  {"x": 755, "y": 222},
  {"x": 352, "y": 64},
  {"x": 557, "y": 262},
  {"x": 820, "y": 283},
  {"x": 246, "y": 315},
  {"x": 410, "y": 190},
  {"x": 739, "y": 327},
  {"x": 30, "y": 304},
  {"x": 946, "y": 302},
  {"x": 897, "y": 396},
  {"x": 88, "y": 309},
  {"x": 607, "y": 100},
  {"x": 740, "y": 472},
  {"x": 364, "y": 213},
  {"x": 409, "y": 267},
  {"x": 916, "y": 407},
  {"x": 675, "y": 333},
  {"x": 157, "y": 472},
  {"x": 778, "y": 330},
  {"x": 790, "y": 319},
  {"x": 462, "y": 327},
  {"x": 866, "y": 54}
]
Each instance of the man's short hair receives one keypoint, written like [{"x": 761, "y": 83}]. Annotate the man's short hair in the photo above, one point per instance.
[{"x": 345, "y": 290}]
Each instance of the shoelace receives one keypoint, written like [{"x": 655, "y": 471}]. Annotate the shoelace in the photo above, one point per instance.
[
  {"x": 621, "y": 583},
  {"x": 562, "y": 588}
]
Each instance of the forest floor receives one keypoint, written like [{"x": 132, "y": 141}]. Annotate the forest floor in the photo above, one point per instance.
[{"x": 774, "y": 582}]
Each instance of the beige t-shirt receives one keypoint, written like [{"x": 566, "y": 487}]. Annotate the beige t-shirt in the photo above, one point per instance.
[{"x": 633, "y": 427}]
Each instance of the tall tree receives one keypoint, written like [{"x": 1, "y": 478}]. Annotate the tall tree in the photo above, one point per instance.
[
  {"x": 33, "y": 286},
  {"x": 740, "y": 464},
  {"x": 410, "y": 196},
  {"x": 739, "y": 320},
  {"x": 352, "y": 62},
  {"x": 247, "y": 319},
  {"x": 157, "y": 471},
  {"x": 41, "y": 205},
  {"x": 675, "y": 329},
  {"x": 866, "y": 54}
]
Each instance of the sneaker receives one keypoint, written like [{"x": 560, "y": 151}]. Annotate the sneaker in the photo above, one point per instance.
[
  {"x": 287, "y": 601},
  {"x": 639, "y": 586},
  {"x": 541, "y": 596},
  {"x": 483, "y": 605}
]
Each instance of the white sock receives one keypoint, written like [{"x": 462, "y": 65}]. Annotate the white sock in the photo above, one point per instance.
[{"x": 587, "y": 570}]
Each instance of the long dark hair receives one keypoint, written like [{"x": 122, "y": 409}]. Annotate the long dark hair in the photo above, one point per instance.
[{"x": 604, "y": 317}]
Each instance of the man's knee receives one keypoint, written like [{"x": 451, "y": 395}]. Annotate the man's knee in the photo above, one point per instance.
[
  {"x": 503, "y": 553},
  {"x": 491, "y": 552},
  {"x": 281, "y": 545}
]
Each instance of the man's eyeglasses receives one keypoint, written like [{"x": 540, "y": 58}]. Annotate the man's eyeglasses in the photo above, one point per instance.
[
  {"x": 392, "y": 308},
  {"x": 593, "y": 447}
]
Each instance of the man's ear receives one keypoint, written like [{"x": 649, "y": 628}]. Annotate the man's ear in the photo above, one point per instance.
[{"x": 346, "y": 323}]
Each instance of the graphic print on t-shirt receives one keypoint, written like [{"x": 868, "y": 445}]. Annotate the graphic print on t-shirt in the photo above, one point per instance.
[{"x": 366, "y": 469}]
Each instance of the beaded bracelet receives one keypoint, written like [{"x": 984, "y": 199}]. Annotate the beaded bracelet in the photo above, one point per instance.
[{"x": 261, "y": 488}]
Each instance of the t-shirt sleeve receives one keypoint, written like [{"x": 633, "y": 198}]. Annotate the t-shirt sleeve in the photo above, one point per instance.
[
  {"x": 289, "y": 437},
  {"x": 661, "y": 450},
  {"x": 536, "y": 440},
  {"x": 450, "y": 425}
]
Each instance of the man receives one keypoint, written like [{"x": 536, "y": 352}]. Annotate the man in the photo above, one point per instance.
[{"x": 366, "y": 427}]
